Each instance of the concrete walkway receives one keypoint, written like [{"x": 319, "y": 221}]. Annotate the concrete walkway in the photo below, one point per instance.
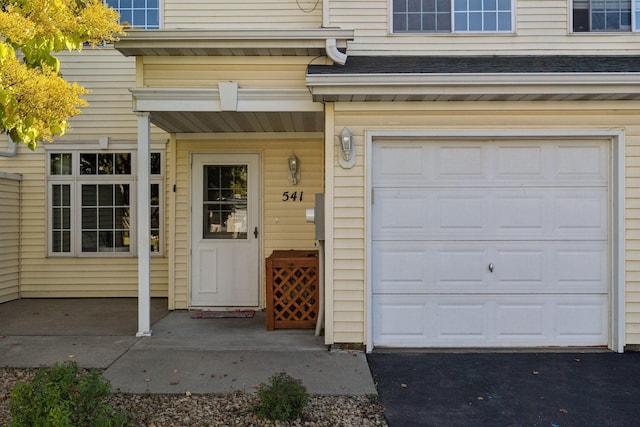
[{"x": 183, "y": 354}]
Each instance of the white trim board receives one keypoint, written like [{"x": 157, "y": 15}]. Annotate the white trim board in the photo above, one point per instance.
[{"x": 617, "y": 275}]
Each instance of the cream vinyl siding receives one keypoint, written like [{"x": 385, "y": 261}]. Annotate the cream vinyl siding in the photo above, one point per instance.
[
  {"x": 254, "y": 14},
  {"x": 108, "y": 76},
  {"x": 44, "y": 277},
  {"x": 9, "y": 237},
  {"x": 348, "y": 204},
  {"x": 283, "y": 223},
  {"x": 254, "y": 72},
  {"x": 541, "y": 27}
]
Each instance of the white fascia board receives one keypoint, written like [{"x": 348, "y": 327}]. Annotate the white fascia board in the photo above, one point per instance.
[
  {"x": 203, "y": 100},
  {"x": 239, "y": 34},
  {"x": 241, "y": 38},
  {"x": 274, "y": 100},
  {"x": 461, "y": 84},
  {"x": 468, "y": 79}
]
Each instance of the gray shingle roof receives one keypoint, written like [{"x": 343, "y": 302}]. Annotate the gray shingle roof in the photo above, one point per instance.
[{"x": 481, "y": 64}]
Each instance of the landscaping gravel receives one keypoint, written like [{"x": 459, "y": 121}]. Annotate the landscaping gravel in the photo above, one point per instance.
[{"x": 202, "y": 410}]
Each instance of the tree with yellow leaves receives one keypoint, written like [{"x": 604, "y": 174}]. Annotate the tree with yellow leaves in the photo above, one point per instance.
[{"x": 35, "y": 100}]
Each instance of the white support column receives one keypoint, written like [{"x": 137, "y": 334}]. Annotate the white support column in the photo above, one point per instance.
[{"x": 143, "y": 233}]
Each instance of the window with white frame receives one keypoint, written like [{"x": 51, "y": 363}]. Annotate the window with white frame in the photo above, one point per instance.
[
  {"x": 90, "y": 199},
  {"x": 603, "y": 15},
  {"x": 417, "y": 16},
  {"x": 142, "y": 14}
]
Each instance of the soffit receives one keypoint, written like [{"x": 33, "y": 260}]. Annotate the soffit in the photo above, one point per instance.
[
  {"x": 206, "y": 110},
  {"x": 304, "y": 42}
]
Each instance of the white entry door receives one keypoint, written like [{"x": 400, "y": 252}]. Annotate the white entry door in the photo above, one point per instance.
[{"x": 224, "y": 230}]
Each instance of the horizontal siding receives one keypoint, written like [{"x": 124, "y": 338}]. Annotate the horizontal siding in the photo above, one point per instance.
[
  {"x": 9, "y": 239},
  {"x": 349, "y": 250},
  {"x": 283, "y": 223},
  {"x": 108, "y": 75},
  {"x": 541, "y": 27},
  {"x": 229, "y": 14},
  {"x": 249, "y": 72},
  {"x": 42, "y": 276}
]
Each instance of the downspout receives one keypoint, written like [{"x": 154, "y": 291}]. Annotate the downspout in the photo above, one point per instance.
[
  {"x": 333, "y": 52},
  {"x": 320, "y": 321},
  {"x": 12, "y": 151}
]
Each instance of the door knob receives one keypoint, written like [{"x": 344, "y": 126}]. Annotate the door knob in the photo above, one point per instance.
[
  {"x": 491, "y": 267},
  {"x": 255, "y": 232}
]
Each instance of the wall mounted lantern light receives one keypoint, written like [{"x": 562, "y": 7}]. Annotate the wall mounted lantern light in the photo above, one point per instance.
[
  {"x": 294, "y": 169},
  {"x": 347, "y": 157}
]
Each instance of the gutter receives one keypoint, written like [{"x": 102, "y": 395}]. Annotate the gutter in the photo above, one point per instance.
[{"x": 12, "y": 151}]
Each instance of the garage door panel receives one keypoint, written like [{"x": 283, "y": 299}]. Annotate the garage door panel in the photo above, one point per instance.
[
  {"x": 520, "y": 160},
  {"x": 582, "y": 268},
  {"x": 506, "y": 321},
  {"x": 402, "y": 213},
  {"x": 489, "y": 163},
  {"x": 460, "y": 161},
  {"x": 464, "y": 267},
  {"x": 490, "y": 214},
  {"x": 520, "y": 320},
  {"x": 401, "y": 163},
  {"x": 580, "y": 162}
]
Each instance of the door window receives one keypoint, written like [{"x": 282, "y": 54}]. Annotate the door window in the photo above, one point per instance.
[{"x": 225, "y": 202}]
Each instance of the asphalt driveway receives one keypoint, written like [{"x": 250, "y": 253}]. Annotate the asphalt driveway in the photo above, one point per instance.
[{"x": 508, "y": 389}]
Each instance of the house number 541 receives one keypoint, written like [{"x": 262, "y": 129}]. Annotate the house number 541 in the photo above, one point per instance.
[{"x": 292, "y": 197}]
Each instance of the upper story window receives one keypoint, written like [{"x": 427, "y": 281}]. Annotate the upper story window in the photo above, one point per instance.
[
  {"x": 142, "y": 14},
  {"x": 602, "y": 15},
  {"x": 415, "y": 16}
]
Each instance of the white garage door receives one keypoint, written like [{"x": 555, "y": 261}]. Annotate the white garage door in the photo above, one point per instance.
[{"x": 490, "y": 243}]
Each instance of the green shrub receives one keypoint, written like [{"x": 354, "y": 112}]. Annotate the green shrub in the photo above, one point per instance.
[
  {"x": 64, "y": 396},
  {"x": 282, "y": 399}
]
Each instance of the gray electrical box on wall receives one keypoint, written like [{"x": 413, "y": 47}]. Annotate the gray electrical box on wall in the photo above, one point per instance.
[
  {"x": 316, "y": 215},
  {"x": 319, "y": 216}
]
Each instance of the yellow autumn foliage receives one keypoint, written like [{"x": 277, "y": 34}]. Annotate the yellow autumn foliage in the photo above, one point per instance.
[{"x": 35, "y": 101}]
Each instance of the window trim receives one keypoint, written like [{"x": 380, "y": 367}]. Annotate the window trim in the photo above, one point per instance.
[
  {"x": 452, "y": 32},
  {"x": 160, "y": 17},
  {"x": 635, "y": 9},
  {"x": 76, "y": 181}
]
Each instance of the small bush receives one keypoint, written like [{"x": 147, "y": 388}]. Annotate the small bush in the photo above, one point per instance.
[
  {"x": 64, "y": 396},
  {"x": 282, "y": 399}
]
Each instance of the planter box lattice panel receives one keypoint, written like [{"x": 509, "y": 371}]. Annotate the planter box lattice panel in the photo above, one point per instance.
[{"x": 292, "y": 289}]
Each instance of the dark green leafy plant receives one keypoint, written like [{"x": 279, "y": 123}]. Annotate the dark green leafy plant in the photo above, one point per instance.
[
  {"x": 282, "y": 399},
  {"x": 64, "y": 396}
]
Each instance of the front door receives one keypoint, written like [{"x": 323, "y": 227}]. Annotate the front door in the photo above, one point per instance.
[{"x": 224, "y": 230}]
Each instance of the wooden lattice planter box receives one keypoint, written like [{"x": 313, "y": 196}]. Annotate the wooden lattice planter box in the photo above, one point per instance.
[{"x": 292, "y": 289}]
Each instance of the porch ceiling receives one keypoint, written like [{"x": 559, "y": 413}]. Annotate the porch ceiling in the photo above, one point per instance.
[
  {"x": 212, "y": 110},
  {"x": 227, "y": 122}
]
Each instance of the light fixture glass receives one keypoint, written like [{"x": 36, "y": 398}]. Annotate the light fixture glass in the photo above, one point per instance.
[
  {"x": 347, "y": 157},
  {"x": 294, "y": 169}
]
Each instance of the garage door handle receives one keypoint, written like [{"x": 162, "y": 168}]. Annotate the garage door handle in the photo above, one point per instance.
[{"x": 491, "y": 267}]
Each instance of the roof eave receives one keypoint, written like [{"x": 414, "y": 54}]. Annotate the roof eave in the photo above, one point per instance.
[
  {"x": 476, "y": 86},
  {"x": 242, "y": 41}
]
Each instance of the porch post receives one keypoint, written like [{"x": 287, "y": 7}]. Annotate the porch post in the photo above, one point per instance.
[{"x": 143, "y": 233}]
